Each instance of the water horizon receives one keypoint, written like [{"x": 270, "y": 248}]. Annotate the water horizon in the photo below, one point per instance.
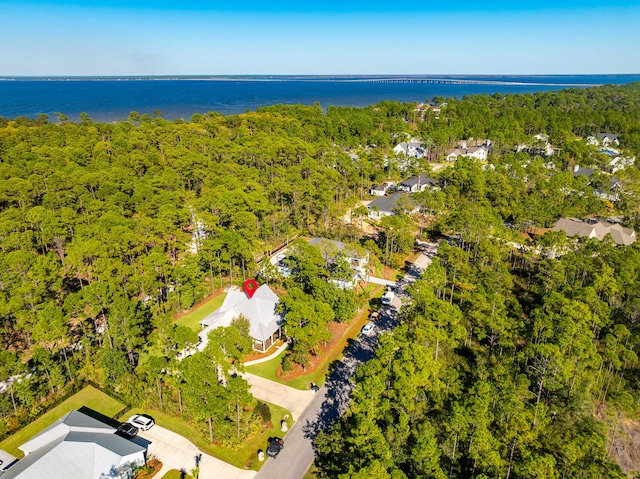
[{"x": 112, "y": 98}]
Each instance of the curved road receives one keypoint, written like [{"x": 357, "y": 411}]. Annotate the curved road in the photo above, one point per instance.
[{"x": 332, "y": 399}]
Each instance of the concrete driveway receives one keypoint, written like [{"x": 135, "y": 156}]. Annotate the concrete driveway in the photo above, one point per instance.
[
  {"x": 294, "y": 400},
  {"x": 422, "y": 261},
  {"x": 176, "y": 452},
  {"x": 382, "y": 281}
]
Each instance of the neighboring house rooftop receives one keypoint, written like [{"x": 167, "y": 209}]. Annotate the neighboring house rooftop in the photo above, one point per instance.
[
  {"x": 350, "y": 252},
  {"x": 358, "y": 260},
  {"x": 379, "y": 190},
  {"x": 338, "y": 244},
  {"x": 260, "y": 310},
  {"x": 77, "y": 446},
  {"x": 386, "y": 205},
  {"x": 609, "y": 137},
  {"x": 471, "y": 143},
  {"x": 418, "y": 181},
  {"x": 479, "y": 152},
  {"x": 412, "y": 148},
  {"x": 580, "y": 171},
  {"x": 597, "y": 229}
]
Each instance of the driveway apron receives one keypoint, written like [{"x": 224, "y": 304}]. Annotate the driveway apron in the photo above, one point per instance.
[{"x": 176, "y": 452}]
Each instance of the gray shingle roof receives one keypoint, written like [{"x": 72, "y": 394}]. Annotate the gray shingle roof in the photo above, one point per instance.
[
  {"x": 583, "y": 172},
  {"x": 418, "y": 180},
  {"x": 386, "y": 203},
  {"x": 608, "y": 136}
]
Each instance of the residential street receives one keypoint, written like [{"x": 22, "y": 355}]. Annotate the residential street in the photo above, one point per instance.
[{"x": 333, "y": 398}]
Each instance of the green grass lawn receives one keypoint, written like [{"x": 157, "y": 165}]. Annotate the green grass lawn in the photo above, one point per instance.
[
  {"x": 268, "y": 369},
  {"x": 175, "y": 474},
  {"x": 312, "y": 472},
  {"x": 192, "y": 320},
  {"x": 89, "y": 397},
  {"x": 244, "y": 458}
]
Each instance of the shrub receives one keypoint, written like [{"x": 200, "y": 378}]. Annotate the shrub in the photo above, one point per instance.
[{"x": 262, "y": 409}]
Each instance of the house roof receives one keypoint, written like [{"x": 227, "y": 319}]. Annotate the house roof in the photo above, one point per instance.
[
  {"x": 386, "y": 203},
  {"x": 472, "y": 149},
  {"x": 349, "y": 252},
  {"x": 621, "y": 236},
  {"x": 338, "y": 244},
  {"x": 260, "y": 310},
  {"x": 580, "y": 171},
  {"x": 73, "y": 421},
  {"x": 608, "y": 136},
  {"x": 418, "y": 180},
  {"x": 454, "y": 151},
  {"x": 465, "y": 151},
  {"x": 74, "y": 447}
]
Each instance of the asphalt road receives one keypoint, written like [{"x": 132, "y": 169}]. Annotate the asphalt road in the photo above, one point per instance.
[{"x": 332, "y": 399}]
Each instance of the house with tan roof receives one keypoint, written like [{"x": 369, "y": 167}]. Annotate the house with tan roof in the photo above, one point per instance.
[
  {"x": 477, "y": 152},
  {"x": 596, "y": 229}
]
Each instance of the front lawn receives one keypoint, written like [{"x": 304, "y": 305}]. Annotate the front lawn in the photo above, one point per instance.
[
  {"x": 192, "y": 318},
  {"x": 89, "y": 397},
  {"x": 245, "y": 457},
  {"x": 317, "y": 372}
]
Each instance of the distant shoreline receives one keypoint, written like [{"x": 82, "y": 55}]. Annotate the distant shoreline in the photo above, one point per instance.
[
  {"x": 113, "y": 98},
  {"x": 471, "y": 79}
]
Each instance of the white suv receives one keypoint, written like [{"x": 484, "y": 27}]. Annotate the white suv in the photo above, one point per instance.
[
  {"x": 367, "y": 329},
  {"x": 141, "y": 421},
  {"x": 387, "y": 297}
]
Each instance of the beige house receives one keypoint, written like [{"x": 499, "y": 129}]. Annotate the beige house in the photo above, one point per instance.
[{"x": 596, "y": 229}]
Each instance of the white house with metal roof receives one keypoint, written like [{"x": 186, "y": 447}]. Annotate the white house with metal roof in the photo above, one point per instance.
[
  {"x": 77, "y": 446},
  {"x": 260, "y": 309}
]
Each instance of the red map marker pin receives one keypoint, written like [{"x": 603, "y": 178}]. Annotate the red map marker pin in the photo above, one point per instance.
[{"x": 250, "y": 287}]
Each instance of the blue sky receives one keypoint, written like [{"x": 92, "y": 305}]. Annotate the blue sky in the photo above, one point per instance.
[{"x": 161, "y": 37}]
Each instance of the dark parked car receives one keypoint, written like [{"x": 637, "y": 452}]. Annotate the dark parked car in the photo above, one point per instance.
[
  {"x": 275, "y": 446},
  {"x": 126, "y": 430}
]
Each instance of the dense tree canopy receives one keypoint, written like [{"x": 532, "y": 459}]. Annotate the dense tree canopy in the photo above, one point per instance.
[{"x": 107, "y": 231}]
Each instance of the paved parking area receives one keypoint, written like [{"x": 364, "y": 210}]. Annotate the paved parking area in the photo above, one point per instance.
[{"x": 176, "y": 452}]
